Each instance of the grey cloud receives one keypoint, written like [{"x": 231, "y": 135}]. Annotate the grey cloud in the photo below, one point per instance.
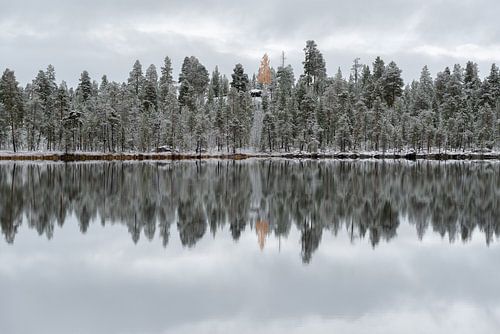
[{"x": 106, "y": 37}]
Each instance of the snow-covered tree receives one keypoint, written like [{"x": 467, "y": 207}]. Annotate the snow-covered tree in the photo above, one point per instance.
[
  {"x": 314, "y": 67},
  {"x": 12, "y": 106}
]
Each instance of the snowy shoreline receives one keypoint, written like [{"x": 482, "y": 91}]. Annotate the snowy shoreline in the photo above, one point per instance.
[{"x": 96, "y": 156}]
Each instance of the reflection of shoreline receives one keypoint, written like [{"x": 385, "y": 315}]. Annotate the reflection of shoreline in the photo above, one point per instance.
[
  {"x": 366, "y": 198},
  {"x": 93, "y": 156}
]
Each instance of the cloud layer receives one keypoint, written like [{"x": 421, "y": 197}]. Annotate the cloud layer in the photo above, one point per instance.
[{"x": 106, "y": 38}]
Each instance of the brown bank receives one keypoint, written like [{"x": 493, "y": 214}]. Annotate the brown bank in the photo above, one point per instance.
[{"x": 68, "y": 157}]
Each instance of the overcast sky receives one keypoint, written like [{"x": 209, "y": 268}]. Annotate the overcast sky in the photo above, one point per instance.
[{"x": 106, "y": 37}]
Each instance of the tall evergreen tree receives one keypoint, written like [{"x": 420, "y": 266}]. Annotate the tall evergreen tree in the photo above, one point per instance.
[
  {"x": 166, "y": 79},
  {"x": 85, "y": 87},
  {"x": 240, "y": 79},
  {"x": 62, "y": 110},
  {"x": 12, "y": 105},
  {"x": 392, "y": 83},
  {"x": 136, "y": 78},
  {"x": 314, "y": 67},
  {"x": 150, "y": 97},
  {"x": 193, "y": 81}
]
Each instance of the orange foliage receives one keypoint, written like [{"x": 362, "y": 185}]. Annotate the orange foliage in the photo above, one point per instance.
[{"x": 264, "y": 76}]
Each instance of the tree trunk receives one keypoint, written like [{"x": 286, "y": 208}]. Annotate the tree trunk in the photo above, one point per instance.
[{"x": 13, "y": 129}]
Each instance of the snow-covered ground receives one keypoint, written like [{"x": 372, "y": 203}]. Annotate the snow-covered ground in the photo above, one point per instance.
[{"x": 248, "y": 153}]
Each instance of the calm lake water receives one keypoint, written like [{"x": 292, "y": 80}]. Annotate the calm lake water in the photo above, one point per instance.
[{"x": 250, "y": 247}]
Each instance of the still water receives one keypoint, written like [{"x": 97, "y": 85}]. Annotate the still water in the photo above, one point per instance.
[{"x": 255, "y": 246}]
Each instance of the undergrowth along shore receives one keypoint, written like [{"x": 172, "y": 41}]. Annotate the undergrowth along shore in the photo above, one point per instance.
[{"x": 69, "y": 157}]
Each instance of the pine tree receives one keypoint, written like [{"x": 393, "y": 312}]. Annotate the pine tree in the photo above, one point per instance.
[
  {"x": 359, "y": 131},
  {"x": 314, "y": 67},
  {"x": 49, "y": 116},
  {"x": 484, "y": 128},
  {"x": 216, "y": 83},
  {"x": 240, "y": 106},
  {"x": 377, "y": 123},
  {"x": 392, "y": 83},
  {"x": 12, "y": 105},
  {"x": 33, "y": 116},
  {"x": 240, "y": 79},
  {"x": 425, "y": 93},
  {"x": 343, "y": 135},
  {"x": 367, "y": 87},
  {"x": 193, "y": 81},
  {"x": 441, "y": 136},
  {"x": 4, "y": 131},
  {"x": 113, "y": 116},
  {"x": 167, "y": 116},
  {"x": 456, "y": 106},
  {"x": 472, "y": 96},
  {"x": 173, "y": 128},
  {"x": 150, "y": 96},
  {"x": 220, "y": 124},
  {"x": 427, "y": 121},
  {"x": 494, "y": 82},
  {"x": 85, "y": 87},
  {"x": 356, "y": 72},
  {"x": 234, "y": 123},
  {"x": 285, "y": 83},
  {"x": 378, "y": 68},
  {"x": 308, "y": 125},
  {"x": 201, "y": 130},
  {"x": 166, "y": 79},
  {"x": 387, "y": 132},
  {"x": 136, "y": 78},
  {"x": 42, "y": 94},
  {"x": 62, "y": 110},
  {"x": 269, "y": 127},
  {"x": 334, "y": 104}
]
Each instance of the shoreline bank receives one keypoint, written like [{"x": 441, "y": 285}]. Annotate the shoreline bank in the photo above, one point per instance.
[{"x": 70, "y": 157}]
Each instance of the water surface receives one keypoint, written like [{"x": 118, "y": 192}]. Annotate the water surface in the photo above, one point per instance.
[{"x": 262, "y": 246}]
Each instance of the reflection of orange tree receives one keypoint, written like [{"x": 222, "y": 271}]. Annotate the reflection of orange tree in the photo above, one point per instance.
[{"x": 262, "y": 228}]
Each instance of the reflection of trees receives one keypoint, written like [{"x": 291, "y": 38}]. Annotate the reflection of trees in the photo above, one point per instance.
[
  {"x": 367, "y": 199},
  {"x": 11, "y": 209}
]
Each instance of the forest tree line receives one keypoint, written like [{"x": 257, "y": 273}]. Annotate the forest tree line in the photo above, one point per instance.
[{"x": 369, "y": 109}]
